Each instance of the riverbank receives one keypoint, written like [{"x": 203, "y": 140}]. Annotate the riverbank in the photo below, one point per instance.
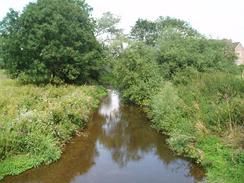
[
  {"x": 204, "y": 120},
  {"x": 36, "y": 122}
]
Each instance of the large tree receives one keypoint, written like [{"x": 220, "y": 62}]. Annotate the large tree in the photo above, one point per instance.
[{"x": 51, "y": 41}]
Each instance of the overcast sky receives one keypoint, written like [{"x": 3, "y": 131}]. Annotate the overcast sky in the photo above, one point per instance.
[{"x": 216, "y": 18}]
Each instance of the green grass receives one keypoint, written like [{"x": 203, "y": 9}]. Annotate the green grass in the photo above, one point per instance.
[
  {"x": 36, "y": 122},
  {"x": 223, "y": 163},
  {"x": 17, "y": 164},
  {"x": 204, "y": 119}
]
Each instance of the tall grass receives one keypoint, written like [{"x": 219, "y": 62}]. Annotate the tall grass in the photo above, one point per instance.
[
  {"x": 204, "y": 118},
  {"x": 35, "y": 122}
]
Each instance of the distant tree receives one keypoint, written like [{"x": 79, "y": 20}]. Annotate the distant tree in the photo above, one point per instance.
[
  {"x": 149, "y": 31},
  {"x": 112, "y": 51},
  {"x": 8, "y": 27},
  {"x": 174, "y": 25},
  {"x": 107, "y": 28},
  {"x": 177, "y": 52},
  {"x": 144, "y": 30},
  {"x": 113, "y": 40},
  {"x": 1, "y": 54},
  {"x": 51, "y": 41},
  {"x": 9, "y": 24}
]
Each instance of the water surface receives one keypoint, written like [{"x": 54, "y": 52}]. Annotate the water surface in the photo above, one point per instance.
[{"x": 118, "y": 146}]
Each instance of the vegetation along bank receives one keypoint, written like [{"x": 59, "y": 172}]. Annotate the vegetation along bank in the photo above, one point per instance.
[
  {"x": 57, "y": 56},
  {"x": 52, "y": 55},
  {"x": 36, "y": 122},
  {"x": 191, "y": 90}
]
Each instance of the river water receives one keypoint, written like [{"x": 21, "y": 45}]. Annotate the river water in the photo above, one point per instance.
[{"x": 118, "y": 146}]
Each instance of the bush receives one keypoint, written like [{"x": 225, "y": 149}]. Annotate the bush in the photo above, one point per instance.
[
  {"x": 165, "y": 108},
  {"x": 219, "y": 97},
  {"x": 51, "y": 42},
  {"x": 199, "y": 117},
  {"x": 36, "y": 122},
  {"x": 137, "y": 73}
]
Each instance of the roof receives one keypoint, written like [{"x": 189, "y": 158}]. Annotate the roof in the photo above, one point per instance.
[{"x": 235, "y": 44}]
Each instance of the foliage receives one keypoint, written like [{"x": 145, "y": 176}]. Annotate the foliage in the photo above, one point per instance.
[
  {"x": 1, "y": 51},
  {"x": 113, "y": 40},
  {"x": 174, "y": 25},
  {"x": 199, "y": 104},
  {"x": 51, "y": 42},
  {"x": 37, "y": 121},
  {"x": 177, "y": 53},
  {"x": 200, "y": 107},
  {"x": 137, "y": 74},
  {"x": 150, "y": 31},
  {"x": 241, "y": 71},
  {"x": 165, "y": 108},
  {"x": 198, "y": 115},
  {"x": 144, "y": 30},
  {"x": 107, "y": 28}
]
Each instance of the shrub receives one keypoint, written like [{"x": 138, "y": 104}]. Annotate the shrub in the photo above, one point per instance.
[
  {"x": 37, "y": 121},
  {"x": 137, "y": 73},
  {"x": 217, "y": 96},
  {"x": 165, "y": 108},
  {"x": 198, "y": 115}
]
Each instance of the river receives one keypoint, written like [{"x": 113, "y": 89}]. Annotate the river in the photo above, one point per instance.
[{"x": 118, "y": 146}]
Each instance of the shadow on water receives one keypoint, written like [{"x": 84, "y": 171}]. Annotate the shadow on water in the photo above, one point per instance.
[{"x": 118, "y": 146}]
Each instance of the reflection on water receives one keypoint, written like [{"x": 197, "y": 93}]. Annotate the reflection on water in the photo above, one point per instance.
[
  {"x": 110, "y": 106},
  {"x": 110, "y": 111},
  {"x": 118, "y": 146}
]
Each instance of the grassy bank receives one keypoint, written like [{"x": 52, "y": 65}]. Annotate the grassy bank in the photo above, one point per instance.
[
  {"x": 36, "y": 122},
  {"x": 204, "y": 118},
  {"x": 193, "y": 92}
]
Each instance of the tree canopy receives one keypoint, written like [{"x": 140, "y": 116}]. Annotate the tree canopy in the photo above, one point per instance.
[
  {"x": 51, "y": 41},
  {"x": 177, "y": 53},
  {"x": 167, "y": 49},
  {"x": 149, "y": 31},
  {"x": 144, "y": 30},
  {"x": 107, "y": 28}
]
